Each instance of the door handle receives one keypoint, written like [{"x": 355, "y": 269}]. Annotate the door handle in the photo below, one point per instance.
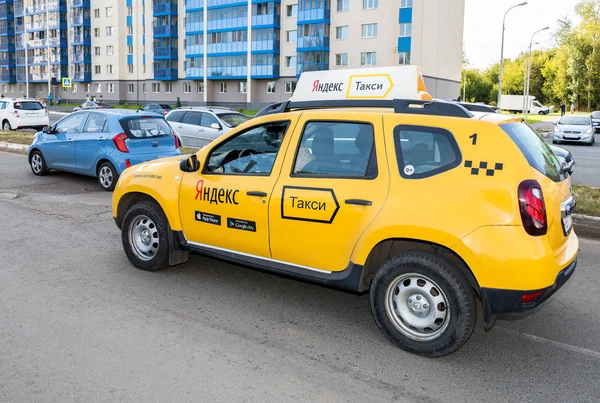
[
  {"x": 201, "y": 130},
  {"x": 101, "y": 139},
  {"x": 359, "y": 202},
  {"x": 257, "y": 194},
  {"x": 180, "y": 127}
]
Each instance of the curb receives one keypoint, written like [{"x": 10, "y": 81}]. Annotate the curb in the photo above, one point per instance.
[
  {"x": 14, "y": 148},
  {"x": 587, "y": 226}
]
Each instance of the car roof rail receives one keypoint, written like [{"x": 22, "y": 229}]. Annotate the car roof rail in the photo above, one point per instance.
[{"x": 407, "y": 106}]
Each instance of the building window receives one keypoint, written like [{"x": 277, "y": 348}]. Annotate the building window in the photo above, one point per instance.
[
  {"x": 74, "y": 88},
  {"x": 404, "y": 58},
  {"x": 406, "y": 3},
  {"x": 130, "y": 50},
  {"x": 341, "y": 32},
  {"x": 109, "y": 69},
  {"x": 109, "y": 30},
  {"x": 130, "y": 88},
  {"x": 168, "y": 88},
  {"x": 88, "y": 88},
  {"x": 97, "y": 13},
  {"x": 21, "y": 88},
  {"x": 129, "y": 10},
  {"x": 261, "y": 9},
  {"x": 98, "y": 88},
  {"x": 97, "y": 51},
  {"x": 187, "y": 87},
  {"x": 370, "y": 4},
  {"x": 368, "y": 59},
  {"x": 223, "y": 86},
  {"x": 65, "y": 89},
  {"x": 290, "y": 36},
  {"x": 110, "y": 50},
  {"x": 144, "y": 88},
  {"x": 110, "y": 88},
  {"x": 130, "y": 30},
  {"x": 271, "y": 87},
  {"x": 130, "y": 68},
  {"x": 369, "y": 30},
  {"x": 343, "y": 5},
  {"x": 200, "y": 87},
  {"x": 292, "y": 10},
  {"x": 109, "y": 11},
  {"x": 341, "y": 59},
  {"x": 243, "y": 87},
  {"x": 290, "y": 87},
  {"x": 97, "y": 69},
  {"x": 405, "y": 29},
  {"x": 96, "y": 32},
  {"x": 156, "y": 88},
  {"x": 290, "y": 61}
]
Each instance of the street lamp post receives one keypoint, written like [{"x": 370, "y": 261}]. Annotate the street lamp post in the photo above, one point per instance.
[
  {"x": 525, "y": 75},
  {"x": 502, "y": 51},
  {"x": 529, "y": 70}
]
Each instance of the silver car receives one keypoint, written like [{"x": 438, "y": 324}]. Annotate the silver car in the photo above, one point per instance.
[
  {"x": 579, "y": 129},
  {"x": 198, "y": 126}
]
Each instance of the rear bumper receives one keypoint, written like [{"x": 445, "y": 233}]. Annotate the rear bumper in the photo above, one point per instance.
[
  {"x": 30, "y": 122},
  {"x": 135, "y": 159},
  {"x": 499, "y": 301}
]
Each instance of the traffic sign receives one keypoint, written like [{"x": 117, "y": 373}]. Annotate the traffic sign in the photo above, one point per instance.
[{"x": 66, "y": 82}]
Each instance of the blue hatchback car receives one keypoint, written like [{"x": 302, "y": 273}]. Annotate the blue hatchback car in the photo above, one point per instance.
[{"x": 102, "y": 143}]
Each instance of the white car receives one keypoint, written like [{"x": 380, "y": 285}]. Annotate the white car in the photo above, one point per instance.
[
  {"x": 23, "y": 113},
  {"x": 198, "y": 126}
]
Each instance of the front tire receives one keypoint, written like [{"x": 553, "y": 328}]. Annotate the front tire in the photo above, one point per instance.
[
  {"x": 107, "y": 176},
  {"x": 37, "y": 162},
  {"x": 423, "y": 304},
  {"x": 145, "y": 236}
]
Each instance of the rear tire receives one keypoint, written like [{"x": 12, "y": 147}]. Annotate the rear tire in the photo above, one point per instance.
[
  {"x": 423, "y": 304},
  {"x": 145, "y": 236},
  {"x": 107, "y": 176},
  {"x": 6, "y": 125},
  {"x": 37, "y": 162}
]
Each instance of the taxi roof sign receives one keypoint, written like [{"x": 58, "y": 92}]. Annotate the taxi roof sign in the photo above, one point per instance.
[{"x": 380, "y": 83}]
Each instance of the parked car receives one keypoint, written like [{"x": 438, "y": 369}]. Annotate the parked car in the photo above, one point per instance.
[
  {"x": 92, "y": 105},
  {"x": 430, "y": 207},
  {"x": 18, "y": 113},
  {"x": 572, "y": 128},
  {"x": 158, "y": 108},
  {"x": 102, "y": 144},
  {"x": 596, "y": 120},
  {"x": 475, "y": 107},
  {"x": 565, "y": 158},
  {"x": 198, "y": 126}
]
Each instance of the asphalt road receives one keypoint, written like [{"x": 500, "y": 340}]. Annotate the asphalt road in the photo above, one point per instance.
[
  {"x": 79, "y": 323},
  {"x": 587, "y": 162}
]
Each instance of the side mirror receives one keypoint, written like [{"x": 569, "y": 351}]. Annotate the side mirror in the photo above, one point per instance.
[
  {"x": 190, "y": 164},
  {"x": 554, "y": 123},
  {"x": 47, "y": 129},
  {"x": 215, "y": 126}
]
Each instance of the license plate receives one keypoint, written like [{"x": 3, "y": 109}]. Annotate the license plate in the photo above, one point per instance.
[
  {"x": 571, "y": 138},
  {"x": 32, "y": 114},
  {"x": 567, "y": 223}
]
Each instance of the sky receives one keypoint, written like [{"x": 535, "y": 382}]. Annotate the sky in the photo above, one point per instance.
[{"x": 483, "y": 27}]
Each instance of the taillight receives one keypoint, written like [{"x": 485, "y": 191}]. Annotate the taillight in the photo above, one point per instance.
[
  {"x": 165, "y": 113},
  {"x": 119, "y": 140},
  {"x": 531, "y": 297},
  {"x": 176, "y": 142},
  {"x": 45, "y": 111},
  {"x": 532, "y": 207}
]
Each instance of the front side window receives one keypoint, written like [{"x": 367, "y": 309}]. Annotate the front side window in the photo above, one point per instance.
[
  {"x": 71, "y": 124},
  {"x": 336, "y": 150},
  {"x": 192, "y": 118},
  {"x": 96, "y": 123},
  {"x": 425, "y": 151},
  {"x": 252, "y": 152}
]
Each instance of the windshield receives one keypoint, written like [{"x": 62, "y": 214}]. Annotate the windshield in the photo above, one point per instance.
[
  {"x": 575, "y": 120},
  {"x": 145, "y": 127},
  {"x": 167, "y": 107},
  {"x": 233, "y": 119},
  {"x": 596, "y": 115},
  {"x": 29, "y": 106},
  {"x": 538, "y": 153}
]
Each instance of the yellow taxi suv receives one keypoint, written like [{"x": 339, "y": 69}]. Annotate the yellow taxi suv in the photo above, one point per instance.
[{"x": 361, "y": 181}]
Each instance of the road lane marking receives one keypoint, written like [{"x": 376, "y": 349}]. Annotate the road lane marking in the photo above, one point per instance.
[{"x": 564, "y": 346}]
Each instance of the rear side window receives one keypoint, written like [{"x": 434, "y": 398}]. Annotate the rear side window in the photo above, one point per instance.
[
  {"x": 233, "y": 119},
  {"x": 192, "y": 118},
  {"x": 208, "y": 119},
  {"x": 145, "y": 128},
  {"x": 425, "y": 151},
  {"x": 29, "y": 106},
  {"x": 537, "y": 152},
  {"x": 336, "y": 150},
  {"x": 175, "y": 116}
]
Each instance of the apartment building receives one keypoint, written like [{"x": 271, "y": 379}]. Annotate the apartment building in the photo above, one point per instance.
[{"x": 235, "y": 52}]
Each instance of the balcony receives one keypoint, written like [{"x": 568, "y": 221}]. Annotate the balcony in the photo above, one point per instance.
[
  {"x": 8, "y": 78},
  {"x": 309, "y": 43},
  {"x": 165, "y": 74},
  {"x": 21, "y": 60},
  {"x": 302, "y": 67},
  {"x": 233, "y": 72},
  {"x": 81, "y": 39},
  {"x": 19, "y": 10},
  {"x": 266, "y": 19},
  {"x": 226, "y": 23},
  {"x": 34, "y": 77},
  {"x": 79, "y": 20},
  {"x": 164, "y": 31},
  {"x": 82, "y": 58},
  {"x": 165, "y": 53},
  {"x": 313, "y": 15},
  {"x": 81, "y": 76},
  {"x": 6, "y": 14},
  {"x": 265, "y": 45},
  {"x": 7, "y": 62},
  {"x": 165, "y": 9},
  {"x": 55, "y": 5},
  {"x": 6, "y": 47},
  {"x": 19, "y": 29},
  {"x": 80, "y": 3},
  {"x": 7, "y": 30}
]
